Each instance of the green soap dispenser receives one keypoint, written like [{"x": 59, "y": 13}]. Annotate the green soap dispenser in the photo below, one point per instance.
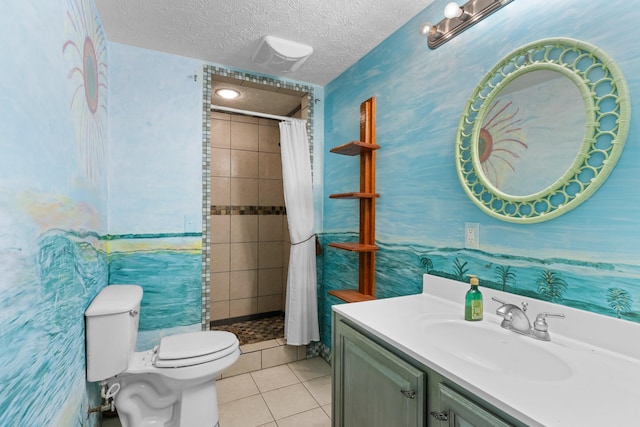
[{"x": 473, "y": 301}]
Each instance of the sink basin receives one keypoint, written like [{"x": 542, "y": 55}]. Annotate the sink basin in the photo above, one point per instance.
[{"x": 490, "y": 347}]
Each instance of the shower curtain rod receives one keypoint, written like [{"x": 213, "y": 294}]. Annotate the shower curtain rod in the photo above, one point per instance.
[{"x": 252, "y": 113}]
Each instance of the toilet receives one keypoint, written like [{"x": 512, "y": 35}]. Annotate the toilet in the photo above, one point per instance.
[{"x": 172, "y": 385}]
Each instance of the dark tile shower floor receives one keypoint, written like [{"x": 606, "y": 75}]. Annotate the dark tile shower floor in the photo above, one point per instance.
[{"x": 252, "y": 331}]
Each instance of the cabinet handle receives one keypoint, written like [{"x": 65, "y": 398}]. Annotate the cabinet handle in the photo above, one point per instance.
[
  {"x": 409, "y": 394},
  {"x": 440, "y": 416}
]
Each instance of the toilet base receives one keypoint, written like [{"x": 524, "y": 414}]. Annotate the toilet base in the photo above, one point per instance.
[
  {"x": 169, "y": 397},
  {"x": 149, "y": 401}
]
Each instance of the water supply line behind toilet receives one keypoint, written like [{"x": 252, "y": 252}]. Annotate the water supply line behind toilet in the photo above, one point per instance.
[{"x": 108, "y": 398}]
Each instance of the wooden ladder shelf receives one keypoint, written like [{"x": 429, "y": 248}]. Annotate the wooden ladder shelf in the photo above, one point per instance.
[{"x": 366, "y": 247}]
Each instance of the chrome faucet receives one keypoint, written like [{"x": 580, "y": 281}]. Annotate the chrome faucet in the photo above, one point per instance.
[{"x": 515, "y": 319}]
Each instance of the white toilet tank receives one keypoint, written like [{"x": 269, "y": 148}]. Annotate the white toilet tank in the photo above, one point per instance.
[{"x": 111, "y": 330}]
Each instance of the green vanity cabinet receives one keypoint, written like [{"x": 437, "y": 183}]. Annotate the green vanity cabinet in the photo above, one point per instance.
[
  {"x": 375, "y": 385},
  {"x": 459, "y": 411},
  {"x": 372, "y": 387}
]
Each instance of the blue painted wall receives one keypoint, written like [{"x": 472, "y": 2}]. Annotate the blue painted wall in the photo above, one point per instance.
[
  {"x": 422, "y": 209},
  {"x": 53, "y": 196},
  {"x": 59, "y": 224},
  {"x": 156, "y": 142},
  {"x": 155, "y": 178},
  {"x": 91, "y": 195},
  {"x": 155, "y": 199}
]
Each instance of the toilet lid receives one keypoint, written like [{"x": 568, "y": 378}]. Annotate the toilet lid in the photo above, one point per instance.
[{"x": 194, "y": 348}]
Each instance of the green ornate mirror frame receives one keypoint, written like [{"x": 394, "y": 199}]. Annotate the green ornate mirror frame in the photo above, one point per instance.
[{"x": 491, "y": 149}]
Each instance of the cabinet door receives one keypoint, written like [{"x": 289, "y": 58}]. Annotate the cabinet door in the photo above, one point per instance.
[
  {"x": 372, "y": 386},
  {"x": 463, "y": 412}
]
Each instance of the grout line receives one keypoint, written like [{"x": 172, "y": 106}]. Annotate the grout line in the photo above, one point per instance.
[
  {"x": 273, "y": 417},
  {"x": 314, "y": 398},
  {"x": 295, "y": 413},
  {"x": 254, "y": 383},
  {"x": 305, "y": 411}
]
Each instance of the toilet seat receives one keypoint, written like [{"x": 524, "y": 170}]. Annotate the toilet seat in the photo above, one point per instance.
[{"x": 194, "y": 348}]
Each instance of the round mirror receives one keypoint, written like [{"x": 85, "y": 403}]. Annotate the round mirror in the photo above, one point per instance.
[
  {"x": 520, "y": 150},
  {"x": 542, "y": 131}
]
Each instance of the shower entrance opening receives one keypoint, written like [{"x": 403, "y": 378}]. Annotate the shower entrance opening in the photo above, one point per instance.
[{"x": 246, "y": 242}]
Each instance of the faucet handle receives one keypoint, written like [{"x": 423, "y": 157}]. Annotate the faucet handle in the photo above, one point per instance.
[
  {"x": 541, "y": 324},
  {"x": 524, "y": 305},
  {"x": 558, "y": 315},
  {"x": 500, "y": 301}
]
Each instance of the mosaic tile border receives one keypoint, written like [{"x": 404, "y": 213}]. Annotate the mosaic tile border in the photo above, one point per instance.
[
  {"x": 247, "y": 210},
  {"x": 208, "y": 72}
]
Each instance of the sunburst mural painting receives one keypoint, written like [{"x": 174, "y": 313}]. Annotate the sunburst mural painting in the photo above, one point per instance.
[
  {"x": 500, "y": 142},
  {"x": 85, "y": 52}
]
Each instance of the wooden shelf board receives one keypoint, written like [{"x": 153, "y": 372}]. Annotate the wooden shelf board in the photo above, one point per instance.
[
  {"x": 354, "y": 247},
  {"x": 354, "y": 148},
  {"x": 354, "y": 195},
  {"x": 349, "y": 295}
]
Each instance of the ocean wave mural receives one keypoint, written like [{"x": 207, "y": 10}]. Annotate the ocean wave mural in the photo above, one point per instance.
[
  {"x": 171, "y": 284},
  {"x": 587, "y": 259},
  {"x": 52, "y": 189},
  {"x": 43, "y": 373},
  {"x": 604, "y": 288},
  {"x": 169, "y": 270},
  {"x": 42, "y": 300}
]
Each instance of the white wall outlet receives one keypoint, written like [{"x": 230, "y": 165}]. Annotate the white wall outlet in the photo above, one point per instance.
[{"x": 471, "y": 235}]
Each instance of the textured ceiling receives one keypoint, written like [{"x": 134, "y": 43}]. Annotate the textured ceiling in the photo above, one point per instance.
[{"x": 227, "y": 32}]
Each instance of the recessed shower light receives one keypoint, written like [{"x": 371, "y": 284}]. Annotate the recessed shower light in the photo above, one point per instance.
[{"x": 227, "y": 93}]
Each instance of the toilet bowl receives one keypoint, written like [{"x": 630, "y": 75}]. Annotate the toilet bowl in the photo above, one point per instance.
[{"x": 172, "y": 385}]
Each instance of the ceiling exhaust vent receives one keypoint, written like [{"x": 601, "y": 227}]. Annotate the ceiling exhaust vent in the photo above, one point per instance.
[{"x": 281, "y": 55}]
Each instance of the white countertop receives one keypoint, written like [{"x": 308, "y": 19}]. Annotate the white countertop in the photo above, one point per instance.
[{"x": 596, "y": 381}]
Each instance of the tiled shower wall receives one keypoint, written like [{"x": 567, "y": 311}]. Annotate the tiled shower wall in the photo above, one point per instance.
[
  {"x": 249, "y": 237},
  {"x": 308, "y": 100}
]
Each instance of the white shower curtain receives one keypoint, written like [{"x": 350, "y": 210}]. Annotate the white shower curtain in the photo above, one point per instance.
[{"x": 301, "y": 311}]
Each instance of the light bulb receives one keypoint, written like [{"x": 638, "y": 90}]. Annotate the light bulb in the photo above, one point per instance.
[
  {"x": 452, "y": 10},
  {"x": 427, "y": 29},
  {"x": 228, "y": 93}
]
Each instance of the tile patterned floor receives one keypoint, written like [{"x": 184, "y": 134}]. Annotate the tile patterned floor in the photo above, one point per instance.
[
  {"x": 253, "y": 331},
  {"x": 297, "y": 394}
]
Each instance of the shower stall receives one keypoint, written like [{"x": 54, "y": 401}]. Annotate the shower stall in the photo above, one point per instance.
[{"x": 246, "y": 242}]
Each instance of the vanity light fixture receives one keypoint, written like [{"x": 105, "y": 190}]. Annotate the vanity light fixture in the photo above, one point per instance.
[
  {"x": 459, "y": 18},
  {"x": 227, "y": 93}
]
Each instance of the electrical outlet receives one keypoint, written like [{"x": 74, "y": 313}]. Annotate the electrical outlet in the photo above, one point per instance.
[{"x": 471, "y": 235}]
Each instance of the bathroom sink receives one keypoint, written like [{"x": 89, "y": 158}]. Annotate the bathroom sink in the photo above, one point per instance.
[{"x": 492, "y": 348}]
